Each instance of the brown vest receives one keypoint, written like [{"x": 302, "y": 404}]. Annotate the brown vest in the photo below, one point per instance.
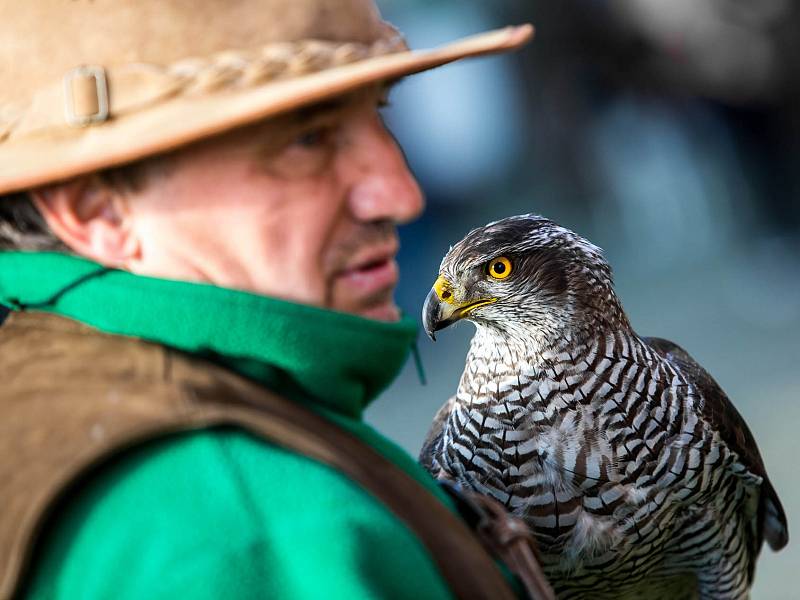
[{"x": 73, "y": 398}]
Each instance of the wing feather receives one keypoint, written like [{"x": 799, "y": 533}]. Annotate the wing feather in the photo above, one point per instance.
[{"x": 719, "y": 411}]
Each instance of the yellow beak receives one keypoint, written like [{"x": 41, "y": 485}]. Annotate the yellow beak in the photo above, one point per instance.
[{"x": 441, "y": 307}]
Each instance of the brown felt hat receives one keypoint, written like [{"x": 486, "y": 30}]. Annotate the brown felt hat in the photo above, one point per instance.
[{"x": 90, "y": 84}]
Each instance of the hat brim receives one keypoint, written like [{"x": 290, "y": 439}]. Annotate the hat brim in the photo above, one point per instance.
[{"x": 30, "y": 163}]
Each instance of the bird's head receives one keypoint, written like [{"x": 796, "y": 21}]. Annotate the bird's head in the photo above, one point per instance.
[{"x": 523, "y": 274}]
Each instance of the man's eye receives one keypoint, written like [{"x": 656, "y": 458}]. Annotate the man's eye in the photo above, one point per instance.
[{"x": 311, "y": 138}]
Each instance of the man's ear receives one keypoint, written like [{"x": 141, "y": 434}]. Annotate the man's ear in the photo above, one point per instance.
[{"x": 89, "y": 217}]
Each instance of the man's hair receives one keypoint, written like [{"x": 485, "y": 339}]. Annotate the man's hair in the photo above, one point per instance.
[{"x": 22, "y": 226}]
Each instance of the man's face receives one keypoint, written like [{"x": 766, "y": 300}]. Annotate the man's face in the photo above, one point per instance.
[{"x": 302, "y": 207}]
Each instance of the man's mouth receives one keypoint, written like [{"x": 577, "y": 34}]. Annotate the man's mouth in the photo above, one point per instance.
[
  {"x": 371, "y": 273},
  {"x": 365, "y": 286},
  {"x": 371, "y": 277}
]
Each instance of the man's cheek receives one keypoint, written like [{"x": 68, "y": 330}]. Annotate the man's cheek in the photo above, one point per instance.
[{"x": 303, "y": 282}]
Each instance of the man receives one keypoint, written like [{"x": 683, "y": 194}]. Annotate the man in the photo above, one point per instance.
[{"x": 194, "y": 196}]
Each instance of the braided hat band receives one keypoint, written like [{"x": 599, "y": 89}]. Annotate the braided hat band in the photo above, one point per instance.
[
  {"x": 90, "y": 95},
  {"x": 100, "y": 116}
]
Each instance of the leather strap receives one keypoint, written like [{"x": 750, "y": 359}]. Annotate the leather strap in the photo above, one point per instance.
[
  {"x": 61, "y": 421},
  {"x": 462, "y": 560},
  {"x": 506, "y": 537}
]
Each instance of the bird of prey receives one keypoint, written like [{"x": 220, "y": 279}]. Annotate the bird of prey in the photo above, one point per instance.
[{"x": 636, "y": 473}]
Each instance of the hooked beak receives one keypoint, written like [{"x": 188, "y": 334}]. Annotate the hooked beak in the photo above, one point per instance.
[{"x": 441, "y": 308}]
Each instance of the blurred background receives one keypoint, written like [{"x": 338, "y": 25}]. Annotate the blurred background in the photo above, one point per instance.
[{"x": 667, "y": 133}]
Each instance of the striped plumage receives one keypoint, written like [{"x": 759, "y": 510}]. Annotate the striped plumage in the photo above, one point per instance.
[{"x": 637, "y": 474}]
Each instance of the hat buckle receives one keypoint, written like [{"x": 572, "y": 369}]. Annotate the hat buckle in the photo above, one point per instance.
[{"x": 86, "y": 96}]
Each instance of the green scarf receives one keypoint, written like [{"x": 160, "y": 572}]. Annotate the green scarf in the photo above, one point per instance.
[{"x": 338, "y": 361}]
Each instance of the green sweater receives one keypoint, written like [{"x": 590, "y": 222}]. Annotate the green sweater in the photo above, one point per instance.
[{"x": 219, "y": 513}]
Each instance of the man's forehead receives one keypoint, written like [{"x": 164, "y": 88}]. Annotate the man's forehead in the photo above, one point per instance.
[{"x": 339, "y": 103}]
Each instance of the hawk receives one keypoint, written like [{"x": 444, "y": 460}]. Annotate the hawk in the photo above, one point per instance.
[{"x": 635, "y": 471}]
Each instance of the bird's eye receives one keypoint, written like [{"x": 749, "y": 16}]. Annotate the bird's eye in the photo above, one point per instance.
[{"x": 500, "y": 268}]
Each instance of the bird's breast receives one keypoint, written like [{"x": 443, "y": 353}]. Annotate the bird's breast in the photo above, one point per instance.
[{"x": 534, "y": 436}]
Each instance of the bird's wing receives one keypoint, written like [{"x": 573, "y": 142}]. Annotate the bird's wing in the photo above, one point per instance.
[
  {"x": 719, "y": 411},
  {"x": 433, "y": 440}
]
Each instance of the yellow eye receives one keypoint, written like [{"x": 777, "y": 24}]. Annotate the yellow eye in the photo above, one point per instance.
[{"x": 500, "y": 268}]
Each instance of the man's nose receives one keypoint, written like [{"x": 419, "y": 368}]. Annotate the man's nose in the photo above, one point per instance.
[{"x": 382, "y": 186}]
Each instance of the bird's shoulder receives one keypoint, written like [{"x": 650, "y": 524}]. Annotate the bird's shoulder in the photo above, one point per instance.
[{"x": 721, "y": 414}]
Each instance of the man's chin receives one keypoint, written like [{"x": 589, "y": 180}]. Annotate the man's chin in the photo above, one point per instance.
[
  {"x": 383, "y": 312},
  {"x": 379, "y": 306}
]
